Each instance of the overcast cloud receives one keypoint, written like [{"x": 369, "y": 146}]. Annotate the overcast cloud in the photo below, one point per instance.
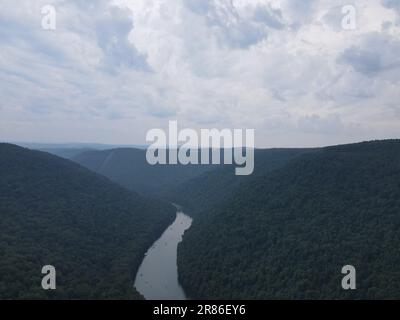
[{"x": 114, "y": 69}]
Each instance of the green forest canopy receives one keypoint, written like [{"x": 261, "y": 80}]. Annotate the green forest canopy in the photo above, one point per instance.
[
  {"x": 55, "y": 212},
  {"x": 288, "y": 233}
]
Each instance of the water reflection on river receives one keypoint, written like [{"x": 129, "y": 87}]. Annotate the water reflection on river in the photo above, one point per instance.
[{"x": 157, "y": 278}]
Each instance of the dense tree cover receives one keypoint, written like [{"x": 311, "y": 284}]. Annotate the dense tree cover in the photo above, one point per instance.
[
  {"x": 204, "y": 192},
  {"x": 55, "y": 212},
  {"x": 288, "y": 233},
  {"x": 129, "y": 168}
]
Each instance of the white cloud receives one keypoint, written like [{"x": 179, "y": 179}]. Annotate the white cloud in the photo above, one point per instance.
[{"x": 114, "y": 69}]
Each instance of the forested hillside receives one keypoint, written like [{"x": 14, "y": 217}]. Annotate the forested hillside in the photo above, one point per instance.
[
  {"x": 55, "y": 212},
  {"x": 288, "y": 233},
  {"x": 129, "y": 168},
  {"x": 204, "y": 192}
]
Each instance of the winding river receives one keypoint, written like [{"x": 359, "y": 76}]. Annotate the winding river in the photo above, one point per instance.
[{"x": 157, "y": 277}]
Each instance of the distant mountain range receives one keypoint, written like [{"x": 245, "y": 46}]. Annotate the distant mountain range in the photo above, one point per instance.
[
  {"x": 129, "y": 168},
  {"x": 93, "y": 146},
  {"x": 70, "y": 150}
]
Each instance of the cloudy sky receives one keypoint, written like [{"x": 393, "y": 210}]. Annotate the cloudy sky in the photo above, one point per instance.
[{"x": 112, "y": 70}]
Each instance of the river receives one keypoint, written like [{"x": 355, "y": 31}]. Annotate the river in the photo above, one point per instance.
[{"x": 157, "y": 277}]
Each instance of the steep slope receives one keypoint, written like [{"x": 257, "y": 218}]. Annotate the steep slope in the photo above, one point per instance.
[
  {"x": 55, "y": 212},
  {"x": 288, "y": 233},
  {"x": 129, "y": 168},
  {"x": 204, "y": 192}
]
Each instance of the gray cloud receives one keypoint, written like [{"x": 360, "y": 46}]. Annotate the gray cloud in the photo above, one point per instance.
[
  {"x": 112, "y": 32},
  {"x": 271, "y": 17},
  {"x": 114, "y": 69},
  {"x": 330, "y": 124},
  {"x": 392, "y": 4},
  {"x": 375, "y": 54},
  {"x": 395, "y": 5},
  {"x": 365, "y": 61},
  {"x": 20, "y": 33},
  {"x": 230, "y": 26},
  {"x": 300, "y": 13}
]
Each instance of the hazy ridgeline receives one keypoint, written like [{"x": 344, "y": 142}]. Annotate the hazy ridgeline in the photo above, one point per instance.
[{"x": 129, "y": 168}]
